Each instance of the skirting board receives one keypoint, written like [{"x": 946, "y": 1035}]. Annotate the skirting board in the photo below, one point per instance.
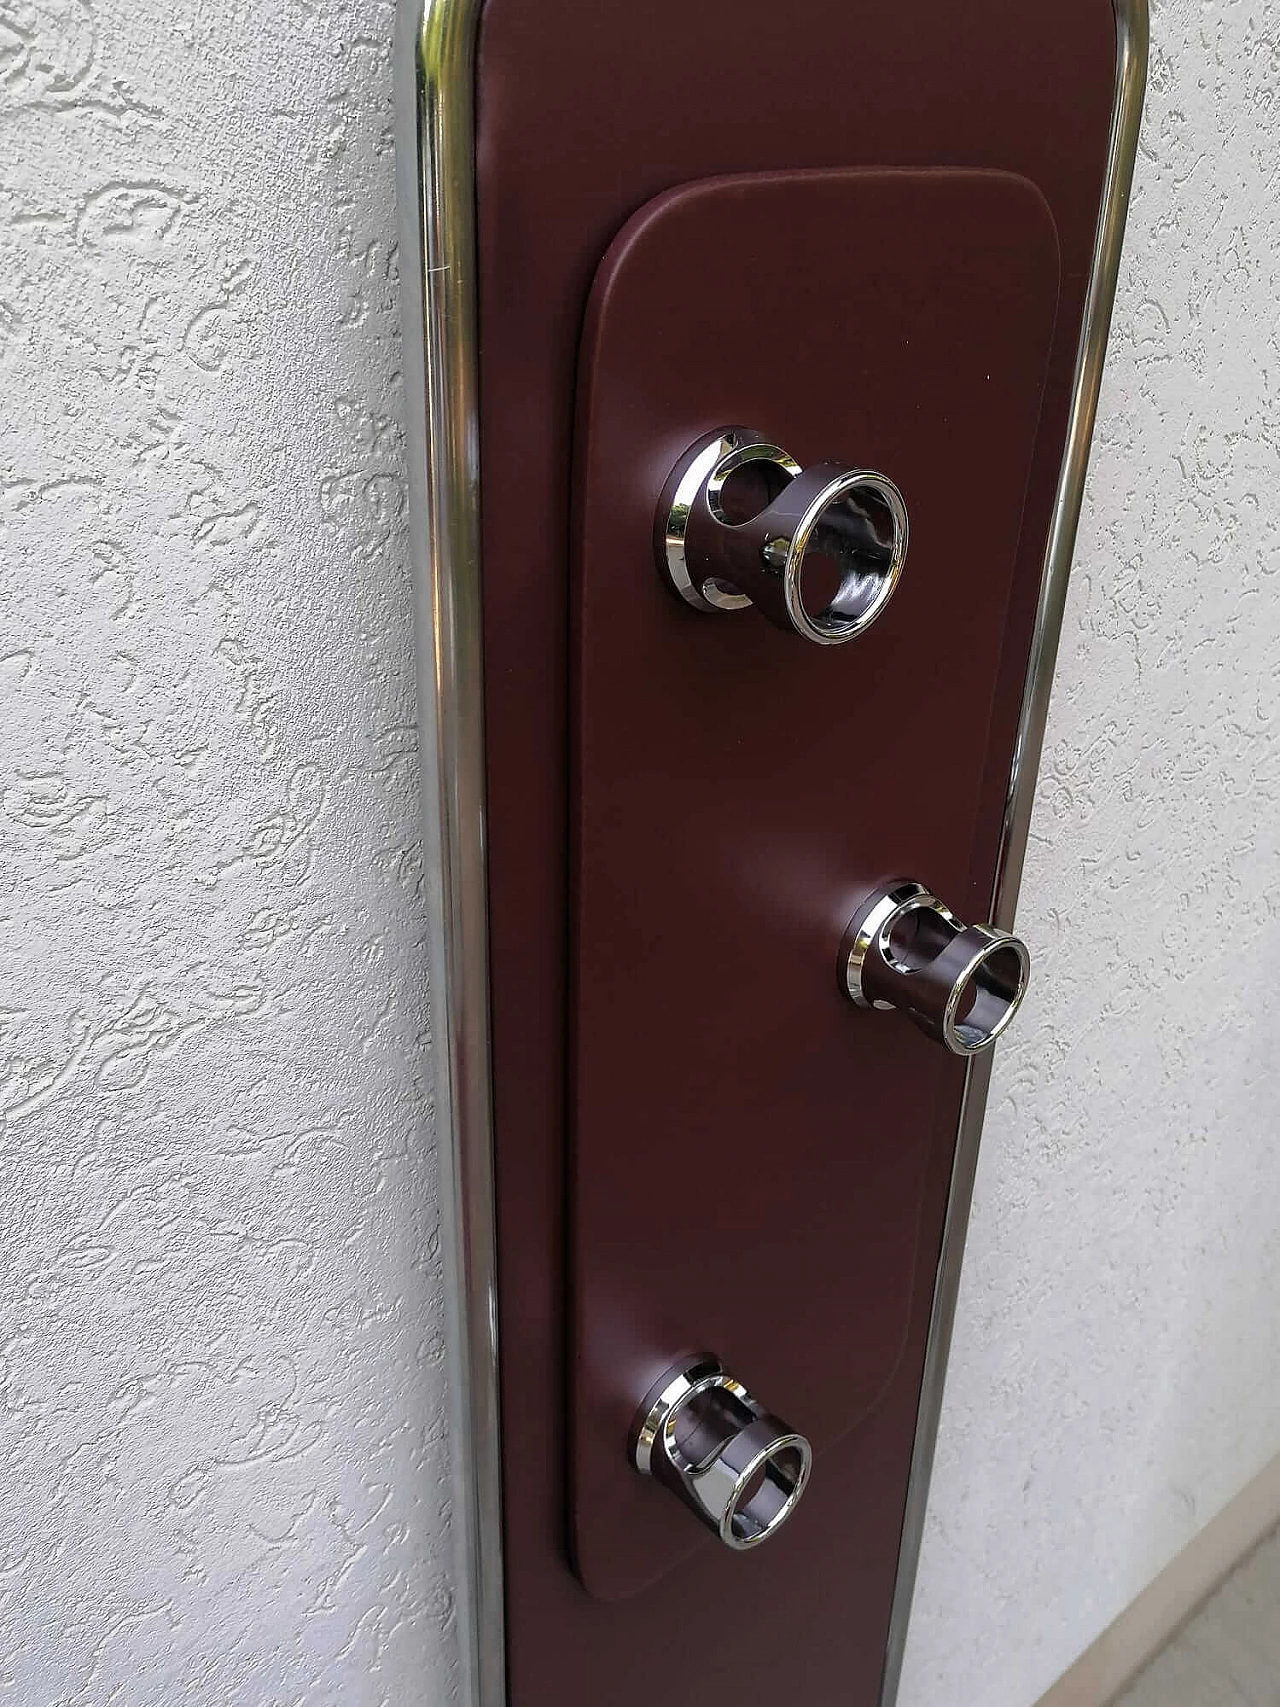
[{"x": 1164, "y": 1606}]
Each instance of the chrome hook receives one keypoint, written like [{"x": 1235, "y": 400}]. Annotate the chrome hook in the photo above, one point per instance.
[
  {"x": 961, "y": 984},
  {"x": 739, "y": 1469},
  {"x": 739, "y": 519}
]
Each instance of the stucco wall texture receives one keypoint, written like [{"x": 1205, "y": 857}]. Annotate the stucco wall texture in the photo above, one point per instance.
[
  {"x": 222, "y": 1359},
  {"x": 221, "y": 1353}
]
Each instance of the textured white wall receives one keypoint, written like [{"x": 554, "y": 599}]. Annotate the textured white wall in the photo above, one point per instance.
[
  {"x": 220, "y": 1354},
  {"x": 221, "y": 1358},
  {"x": 1113, "y": 1380}
]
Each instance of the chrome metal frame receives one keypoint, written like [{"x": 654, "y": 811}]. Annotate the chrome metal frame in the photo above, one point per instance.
[
  {"x": 435, "y": 172},
  {"x": 435, "y": 153}
]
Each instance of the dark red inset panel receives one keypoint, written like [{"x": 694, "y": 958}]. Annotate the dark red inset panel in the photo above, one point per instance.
[{"x": 751, "y": 1151}]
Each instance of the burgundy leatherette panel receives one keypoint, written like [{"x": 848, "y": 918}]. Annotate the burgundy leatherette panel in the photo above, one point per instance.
[
  {"x": 584, "y": 115},
  {"x": 750, "y": 1151}
]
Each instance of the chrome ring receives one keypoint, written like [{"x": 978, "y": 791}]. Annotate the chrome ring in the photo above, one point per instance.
[
  {"x": 752, "y": 450},
  {"x": 654, "y": 1422},
  {"x": 709, "y": 465},
  {"x": 766, "y": 1492},
  {"x": 831, "y": 627},
  {"x": 963, "y": 1037},
  {"x": 873, "y": 929}
]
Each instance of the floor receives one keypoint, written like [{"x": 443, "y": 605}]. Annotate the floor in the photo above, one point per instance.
[{"x": 1229, "y": 1654}]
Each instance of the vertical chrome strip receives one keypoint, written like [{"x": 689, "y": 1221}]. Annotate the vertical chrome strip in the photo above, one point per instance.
[
  {"x": 435, "y": 170},
  {"x": 435, "y": 71},
  {"x": 1126, "y": 117}
]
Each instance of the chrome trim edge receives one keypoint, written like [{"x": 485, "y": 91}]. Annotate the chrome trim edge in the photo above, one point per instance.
[
  {"x": 435, "y": 69},
  {"x": 1132, "y": 42},
  {"x": 435, "y": 182}
]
